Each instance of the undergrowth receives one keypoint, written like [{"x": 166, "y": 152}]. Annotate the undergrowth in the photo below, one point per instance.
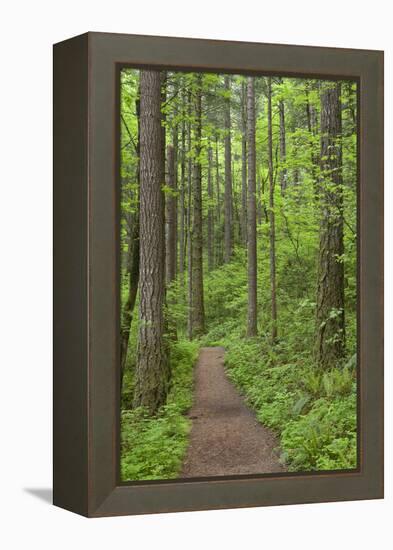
[{"x": 154, "y": 447}]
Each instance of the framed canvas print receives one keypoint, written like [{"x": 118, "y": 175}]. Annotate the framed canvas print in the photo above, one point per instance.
[{"x": 218, "y": 274}]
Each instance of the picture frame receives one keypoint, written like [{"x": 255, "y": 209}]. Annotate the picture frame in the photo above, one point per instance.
[{"x": 86, "y": 265}]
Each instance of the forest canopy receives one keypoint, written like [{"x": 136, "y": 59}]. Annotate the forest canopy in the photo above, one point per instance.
[{"x": 238, "y": 229}]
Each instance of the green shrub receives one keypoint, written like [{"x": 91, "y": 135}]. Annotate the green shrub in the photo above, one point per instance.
[
  {"x": 313, "y": 412},
  {"x": 154, "y": 447},
  {"x": 324, "y": 438}
]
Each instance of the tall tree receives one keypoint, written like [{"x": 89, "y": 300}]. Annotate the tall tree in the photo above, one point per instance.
[
  {"x": 151, "y": 373},
  {"x": 273, "y": 293},
  {"x": 244, "y": 223},
  {"x": 175, "y": 141},
  {"x": 171, "y": 240},
  {"x": 189, "y": 219},
  {"x": 311, "y": 127},
  {"x": 259, "y": 198},
  {"x": 171, "y": 216},
  {"x": 197, "y": 309},
  {"x": 182, "y": 208},
  {"x": 283, "y": 147},
  {"x": 252, "y": 227},
  {"x": 330, "y": 326},
  {"x": 228, "y": 214},
  {"x": 218, "y": 199},
  {"x": 132, "y": 261},
  {"x": 210, "y": 211}
]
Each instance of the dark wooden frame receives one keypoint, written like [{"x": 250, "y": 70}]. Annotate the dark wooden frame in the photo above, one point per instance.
[{"x": 86, "y": 304}]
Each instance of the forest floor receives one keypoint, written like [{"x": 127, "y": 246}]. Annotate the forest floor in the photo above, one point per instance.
[{"x": 226, "y": 437}]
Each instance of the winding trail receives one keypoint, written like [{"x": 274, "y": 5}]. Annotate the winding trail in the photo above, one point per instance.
[{"x": 226, "y": 438}]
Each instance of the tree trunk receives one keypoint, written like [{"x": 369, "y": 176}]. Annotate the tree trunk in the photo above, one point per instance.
[
  {"x": 218, "y": 195},
  {"x": 182, "y": 197},
  {"x": 198, "y": 313},
  {"x": 151, "y": 373},
  {"x": 283, "y": 149},
  {"x": 259, "y": 199},
  {"x": 228, "y": 216},
  {"x": 132, "y": 268},
  {"x": 171, "y": 243},
  {"x": 330, "y": 326},
  {"x": 189, "y": 221},
  {"x": 244, "y": 223},
  {"x": 271, "y": 215},
  {"x": 175, "y": 140},
  {"x": 133, "y": 280},
  {"x": 310, "y": 111},
  {"x": 210, "y": 212},
  {"x": 252, "y": 228},
  {"x": 171, "y": 211}
]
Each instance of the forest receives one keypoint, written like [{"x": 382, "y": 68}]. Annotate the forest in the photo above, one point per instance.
[{"x": 238, "y": 236}]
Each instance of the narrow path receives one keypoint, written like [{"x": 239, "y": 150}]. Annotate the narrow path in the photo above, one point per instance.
[{"x": 226, "y": 438}]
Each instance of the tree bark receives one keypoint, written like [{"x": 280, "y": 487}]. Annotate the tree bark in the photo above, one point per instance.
[
  {"x": 218, "y": 196},
  {"x": 252, "y": 228},
  {"x": 171, "y": 217},
  {"x": 244, "y": 223},
  {"x": 228, "y": 214},
  {"x": 132, "y": 268},
  {"x": 197, "y": 310},
  {"x": 259, "y": 199},
  {"x": 330, "y": 325},
  {"x": 210, "y": 212},
  {"x": 189, "y": 222},
  {"x": 182, "y": 196},
  {"x": 151, "y": 373},
  {"x": 175, "y": 140},
  {"x": 310, "y": 111},
  {"x": 271, "y": 215},
  {"x": 283, "y": 148},
  {"x": 133, "y": 280}
]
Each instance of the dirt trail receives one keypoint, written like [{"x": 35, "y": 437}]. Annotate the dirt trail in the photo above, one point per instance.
[{"x": 226, "y": 438}]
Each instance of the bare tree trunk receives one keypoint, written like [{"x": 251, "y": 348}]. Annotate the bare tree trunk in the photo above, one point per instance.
[
  {"x": 171, "y": 217},
  {"x": 132, "y": 269},
  {"x": 218, "y": 195},
  {"x": 311, "y": 130},
  {"x": 259, "y": 200},
  {"x": 151, "y": 373},
  {"x": 252, "y": 228},
  {"x": 236, "y": 223},
  {"x": 133, "y": 280},
  {"x": 283, "y": 148},
  {"x": 198, "y": 313},
  {"x": 189, "y": 223},
  {"x": 228, "y": 214},
  {"x": 244, "y": 223},
  {"x": 175, "y": 140},
  {"x": 271, "y": 214},
  {"x": 171, "y": 242},
  {"x": 330, "y": 325},
  {"x": 182, "y": 197},
  {"x": 210, "y": 212}
]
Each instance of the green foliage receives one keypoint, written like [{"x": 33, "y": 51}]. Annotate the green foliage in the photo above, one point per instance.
[
  {"x": 324, "y": 438},
  {"x": 154, "y": 447},
  {"x": 313, "y": 412}
]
